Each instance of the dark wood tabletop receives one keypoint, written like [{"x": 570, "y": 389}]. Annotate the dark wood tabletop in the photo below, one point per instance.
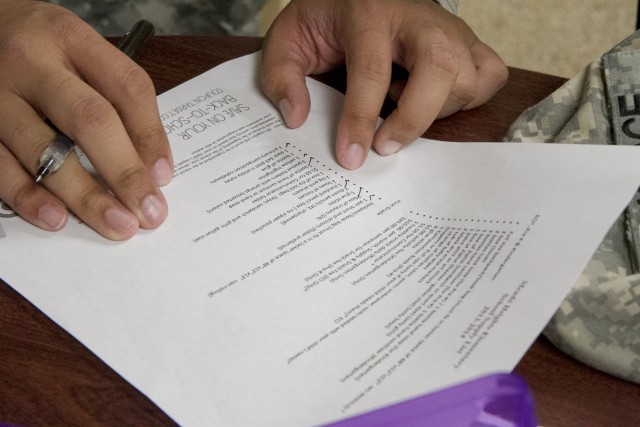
[{"x": 47, "y": 377}]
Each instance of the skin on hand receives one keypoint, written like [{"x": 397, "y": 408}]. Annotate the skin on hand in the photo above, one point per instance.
[
  {"x": 450, "y": 69},
  {"x": 54, "y": 65}
]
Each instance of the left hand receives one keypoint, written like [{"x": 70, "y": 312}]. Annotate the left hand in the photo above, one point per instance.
[
  {"x": 54, "y": 65},
  {"x": 450, "y": 69}
]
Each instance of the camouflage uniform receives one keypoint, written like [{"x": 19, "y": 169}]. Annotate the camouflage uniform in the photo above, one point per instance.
[
  {"x": 239, "y": 17},
  {"x": 599, "y": 321},
  {"x": 211, "y": 17}
]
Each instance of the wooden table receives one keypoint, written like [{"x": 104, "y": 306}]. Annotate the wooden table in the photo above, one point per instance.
[{"x": 49, "y": 378}]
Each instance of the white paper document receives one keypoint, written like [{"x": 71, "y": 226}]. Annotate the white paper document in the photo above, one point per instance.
[{"x": 285, "y": 290}]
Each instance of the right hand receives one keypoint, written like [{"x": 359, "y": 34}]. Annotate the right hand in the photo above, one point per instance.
[
  {"x": 450, "y": 69},
  {"x": 53, "y": 65}
]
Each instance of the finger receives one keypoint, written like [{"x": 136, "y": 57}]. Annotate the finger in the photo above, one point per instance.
[
  {"x": 29, "y": 200},
  {"x": 465, "y": 88},
  {"x": 433, "y": 69},
  {"x": 477, "y": 82},
  {"x": 91, "y": 121},
  {"x": 89, "y": 201},
  {"x": 492, "y": 73},
  {"x": 464, "y": 92},
  {"x": 130, "y": 90},
  {"x": 26, "y": 136},
  {"x": 368, "y": 61},
  {"x": 284, "y": 67}
]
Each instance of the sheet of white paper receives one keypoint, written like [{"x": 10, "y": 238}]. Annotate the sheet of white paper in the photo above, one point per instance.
[{"x": 284, "y": 290}]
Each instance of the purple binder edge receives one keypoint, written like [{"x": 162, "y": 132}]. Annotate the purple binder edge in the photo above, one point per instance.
[{"x": 497, "y": 400}]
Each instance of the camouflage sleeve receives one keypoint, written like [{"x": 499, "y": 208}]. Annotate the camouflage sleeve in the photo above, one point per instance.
[
  {"x": 450, "y": 5},
  {"x": 115, "y": 17},
  {"x": 599, "y": 321},
  {"x": 205, "y": 17}
]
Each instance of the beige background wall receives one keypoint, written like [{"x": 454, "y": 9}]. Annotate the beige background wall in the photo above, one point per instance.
[{"x": 552, "y": 36}]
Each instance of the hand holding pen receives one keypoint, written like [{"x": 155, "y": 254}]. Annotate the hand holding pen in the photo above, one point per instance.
[
  {"x": 57, "y": 152},
  {"x": 54, "y": 65}
]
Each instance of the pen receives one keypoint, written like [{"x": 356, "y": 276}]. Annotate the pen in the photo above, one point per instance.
[{"x": 59, "y": 149}]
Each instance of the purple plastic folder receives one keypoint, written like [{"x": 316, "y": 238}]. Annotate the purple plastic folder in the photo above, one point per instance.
[{"x": 499, "y": 400}]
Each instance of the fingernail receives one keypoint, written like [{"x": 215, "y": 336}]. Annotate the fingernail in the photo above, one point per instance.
[
  {"x": 162, "y": 172},
  {"x": 153, "y": 209},
  {"x": 353, "y": 156},
  {"x": 389, "y": 147},
  {"x": 119, "y": 219},
  {"x": 285, "y": 110},
  {"x": 52, "y": 216}
]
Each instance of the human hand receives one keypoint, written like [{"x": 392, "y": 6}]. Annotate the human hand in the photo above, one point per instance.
[
  {"x": 450, "y": 69},
  {"x": 54, "y": 65}
]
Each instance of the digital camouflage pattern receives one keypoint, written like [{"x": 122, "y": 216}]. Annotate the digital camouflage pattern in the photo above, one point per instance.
[
  {"x": 195, "y": 17},
  {"x": 599, "y": 321}
]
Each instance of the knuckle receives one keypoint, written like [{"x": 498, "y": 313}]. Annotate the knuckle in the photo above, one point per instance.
[
  {"x": 465, "y": 89},
  {"x": 17, "y": 48},
  {"x": 45, "y": 21},
  {"x": 136, "y": 82},
  {"x": 151, "y": 138},
  {"x": 360, "y": 118},
  {"x": 408, "y": 124},
  {"x": 271, "y": 79},
  {"x": 357, "y": 126},
  {"x": 22, "y": 131},
  {"x": 92, "y": 111},
  {"x": 374, "y": 66},
  {"x": 443, "y": 61},
  {"x": 363, "y": 6},
  {"x": 89, "y": 199},
  {"x": 68, "y": 27},
  {"x": 133, "y": 177},
  {"x": 500, "y": 73}
]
